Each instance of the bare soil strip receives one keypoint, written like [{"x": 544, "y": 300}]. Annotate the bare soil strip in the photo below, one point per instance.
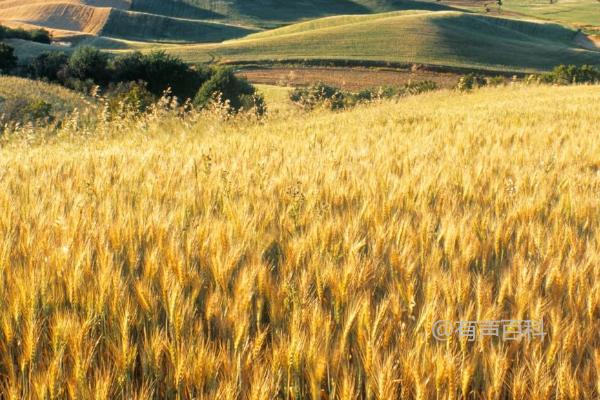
[{"x": 346, "y": 78}]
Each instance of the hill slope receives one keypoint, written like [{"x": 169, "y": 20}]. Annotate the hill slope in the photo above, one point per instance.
[
  {"x": 440, "y": 38},
  {"x": 271, "y": 13},
  {"x": 184, "y": 20},
  {"x": 115, "y": 19},
  {"x": 21, "y": 99}
]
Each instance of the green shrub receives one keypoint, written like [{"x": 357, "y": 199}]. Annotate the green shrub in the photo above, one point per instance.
[
  {"x": 36, "y": 35},
  {"x": 470, "y": 82},
  {"x": 160, "y": 71},
  {"x": 237, "y": 92},
  {"x": 38, "y": 110},
  {"x": 23, "y": 110},
  {"x": 571, "y": 74},
  {"x": 129, "y": 67},
  {"x": 8, "y": 61},
  {"x": 495, "y": 81},
  {"x": 129, "y": 97},
  {"x": 88, "y": 63},
  {"x": 414, "y": 88},
  {"x": 40, "y": 36},
  {"x": 322, "y": 95},
  {"x": 48, "y": 66}
]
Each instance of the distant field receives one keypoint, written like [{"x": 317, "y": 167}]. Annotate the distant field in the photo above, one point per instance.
[
  {"x": 273, "y": 13},
  {"x": 184, "y": 20},
  {"x": 585, "y": 13},
  {"x": 345, "y": 78},
  {"x": 115, "y": 20},
  {"x": 439, "y": 38}
]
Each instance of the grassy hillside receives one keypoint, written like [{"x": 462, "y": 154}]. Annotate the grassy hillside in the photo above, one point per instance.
[
  {"x": 78, "y": 17},
  {"x": 60, "y": 15},
  {"x": 309, "y": 255},
  {"x": 584, "y": 13},
  {"x": 19, "y": 98},
  {"x": 440, "y": 38}
]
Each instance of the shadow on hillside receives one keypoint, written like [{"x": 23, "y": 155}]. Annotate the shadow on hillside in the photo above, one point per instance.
[
  {"x": 177, "y": 9},
  {"x": 510, "y": 44},
  {"x": 150, "y": 27},
  {"x": 275, "y": 12}
]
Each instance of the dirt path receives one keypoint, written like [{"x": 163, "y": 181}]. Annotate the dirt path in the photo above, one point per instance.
[
  {"x": 588, "y": 42},
  {"x": 346, "y": 78}
]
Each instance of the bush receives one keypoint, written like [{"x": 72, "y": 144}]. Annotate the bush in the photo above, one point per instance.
[
  {"x": 88, "y": 63},
  {"x": 237, "y": 92},
  {"x": 37, "y": 35},
  {"x": 414, "y": 88},
  {"x": 470, "y": 82},
  {"x": 129, "y": 67},
  {"x": 8, "y": 61},
  {"x": 48, "y": 66},
  {"x": 322, "y": 95},
  {"x": 571, "y": 74},
  {"x": 40, "y": 36},
  {"x": 23, "y": 110},
  {"x": 160, "y": 71},
  {"x": 129, "y": 97}
]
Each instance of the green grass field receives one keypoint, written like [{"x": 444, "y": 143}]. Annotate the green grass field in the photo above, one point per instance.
[
  {"x": 447, "y": 38},
  {"x": 585, "y": 13}
]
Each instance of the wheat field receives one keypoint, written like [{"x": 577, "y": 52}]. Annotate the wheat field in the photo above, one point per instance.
[{"x": 306, "y": 256}]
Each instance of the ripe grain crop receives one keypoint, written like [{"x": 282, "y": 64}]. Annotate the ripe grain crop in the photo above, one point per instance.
[{"x": 306, "y": 256}]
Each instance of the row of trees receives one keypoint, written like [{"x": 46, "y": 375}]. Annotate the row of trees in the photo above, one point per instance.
[
  {"x": 148, "y": 75},
  {"x": 35, "y": 35},
  {"x": 159, "y": 71},
  {"x": 8, "y": 60}
]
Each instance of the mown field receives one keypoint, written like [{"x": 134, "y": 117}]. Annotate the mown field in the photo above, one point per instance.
[
  {"x": 584, "y": 13},
  {"x": 446, "y": 38},
  {"x": 306, "y": 256}
]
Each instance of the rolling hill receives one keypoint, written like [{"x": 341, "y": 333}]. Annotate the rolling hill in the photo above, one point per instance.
[
  {"x": 446, "y": 38},
  {"x": 184, "y": 20},
  {"x": 114, "y": 19},
  {"x": 419, "y": 32},
  {"x": 274, "y": 13}
]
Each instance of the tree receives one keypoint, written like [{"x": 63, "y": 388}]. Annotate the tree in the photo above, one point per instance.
[
  {"x": 8, "y": 60},
  {"x": 48, "y": 66},
  {"x": 89, "y": 63},
  {"x": 237, "y": 91},
  {"x": 41, "y": 36},
  {"x": 164, "y": 71},
  {"x": 160, "y": 71}
]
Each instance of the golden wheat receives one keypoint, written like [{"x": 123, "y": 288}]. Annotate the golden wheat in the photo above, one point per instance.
[{"x": 306, "y": 256}]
